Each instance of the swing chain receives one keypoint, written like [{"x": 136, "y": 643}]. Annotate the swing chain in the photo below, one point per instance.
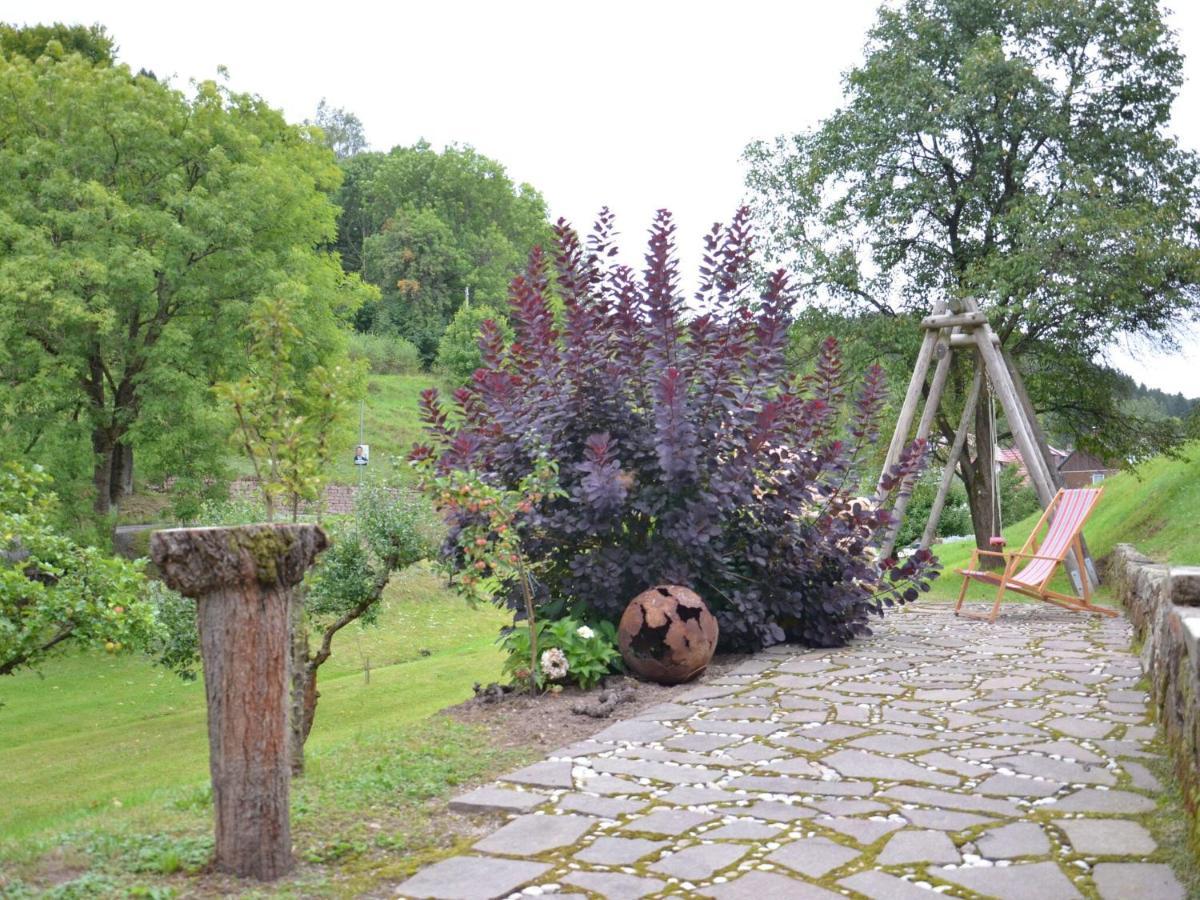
[{"x": 997, "y": 538}]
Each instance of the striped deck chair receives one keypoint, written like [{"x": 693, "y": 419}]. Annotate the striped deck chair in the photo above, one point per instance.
[{"x": 1028, "y": 571}]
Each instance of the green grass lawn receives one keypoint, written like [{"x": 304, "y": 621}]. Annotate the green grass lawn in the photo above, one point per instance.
[
  {"x": 96, "y": 735},
  {"x": 1156, "y": 508}
]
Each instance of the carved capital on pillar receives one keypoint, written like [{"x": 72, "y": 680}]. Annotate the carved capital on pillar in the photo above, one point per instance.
[{"x": 198, "y": 561}]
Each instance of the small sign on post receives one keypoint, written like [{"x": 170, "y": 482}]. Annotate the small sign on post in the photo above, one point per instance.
[{"x": 362, "y": 455}]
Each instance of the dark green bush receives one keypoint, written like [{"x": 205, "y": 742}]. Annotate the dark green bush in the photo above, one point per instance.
[{"x": 956, "y": 515}]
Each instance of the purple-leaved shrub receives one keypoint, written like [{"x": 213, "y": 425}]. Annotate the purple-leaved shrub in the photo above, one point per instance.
[{"x": 687, "y": 452}]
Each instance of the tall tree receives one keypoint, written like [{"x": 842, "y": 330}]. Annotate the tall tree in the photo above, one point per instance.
[
  {"x": 137, "y": 226},
  {"x": 420, "y": 269},
  {"x": 426, "y": 226},
  {"x": 1016, "y": 151},
  {"x": 342, "y": 130},
  {"x": 92, "y": 42}
]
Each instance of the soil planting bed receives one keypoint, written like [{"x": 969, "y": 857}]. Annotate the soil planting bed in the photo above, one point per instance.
[{"x": 546, "y": 722}]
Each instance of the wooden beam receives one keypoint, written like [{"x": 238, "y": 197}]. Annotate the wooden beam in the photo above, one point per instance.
[
  {"x": 960, "y": 439},
  {"x": 968, "y": 340},
  {"x": 908, "y": 410},
  {"x": 952, "y": 320},
  {"x": 1006, "y": 392},
  {"x": 936, "y": 387}
]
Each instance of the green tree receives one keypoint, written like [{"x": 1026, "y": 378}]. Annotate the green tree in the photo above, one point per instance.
[
  {"x": 92, "y": 42},
  {"x": 341, "y": 130},
  {"x": 458, "y": 352},
  {"x": 390, "y": 532},
  {"x": 54, "y": 593},
  {"x": 426, "y": 227},
  {"x": 419, "y": 267},
  {"x": 1191, "y": 425},
  {"x": 287, "y": 405},
  {"x": 137, "y": 225},
  {"x": 1015, "y": 151}
]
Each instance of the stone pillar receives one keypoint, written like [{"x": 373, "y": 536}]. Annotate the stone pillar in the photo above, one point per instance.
[{"x": 242, "y": 580}]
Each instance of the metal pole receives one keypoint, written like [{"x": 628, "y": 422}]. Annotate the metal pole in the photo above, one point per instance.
[{"x": 361, "y": 414}]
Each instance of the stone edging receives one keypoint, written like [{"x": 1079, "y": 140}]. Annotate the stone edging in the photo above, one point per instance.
[{"x": 1164, "y": 605}]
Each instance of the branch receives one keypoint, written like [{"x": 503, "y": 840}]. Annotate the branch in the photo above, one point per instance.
[
  {"x": 10, "y": 665},
  {"x": 347, "y": 617}
]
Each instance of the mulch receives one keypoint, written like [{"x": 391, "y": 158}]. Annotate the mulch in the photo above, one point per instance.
[{"x": 547, "y": 721}]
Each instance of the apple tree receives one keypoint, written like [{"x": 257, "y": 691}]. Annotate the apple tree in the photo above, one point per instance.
[{"x": 54, "y": 593}]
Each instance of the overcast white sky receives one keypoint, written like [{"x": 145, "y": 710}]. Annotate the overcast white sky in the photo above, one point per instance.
[{"x": 634, "y": 105}]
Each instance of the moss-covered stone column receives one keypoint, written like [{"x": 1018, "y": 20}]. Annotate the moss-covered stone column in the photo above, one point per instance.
[{"x": 242, "y": 579}]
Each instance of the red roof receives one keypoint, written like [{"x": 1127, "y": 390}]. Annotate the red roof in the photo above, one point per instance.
[{"x": 1012, "y": 456}]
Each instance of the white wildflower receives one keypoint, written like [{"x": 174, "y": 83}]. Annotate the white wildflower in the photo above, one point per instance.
[
  {"x": 554, "y": 664},
  {"x": 584, "y": 632}
]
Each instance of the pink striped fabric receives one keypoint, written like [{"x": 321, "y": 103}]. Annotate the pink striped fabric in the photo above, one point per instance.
[{"x": 1072, "y": 509}]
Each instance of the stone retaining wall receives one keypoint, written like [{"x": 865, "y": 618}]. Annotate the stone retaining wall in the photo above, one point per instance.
[
  {"x": 338, "y": 498},
  {"x": 1164, "y": 604}
]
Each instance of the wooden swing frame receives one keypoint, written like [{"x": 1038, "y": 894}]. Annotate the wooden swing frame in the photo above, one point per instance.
[{"x": 962, "y": 325}]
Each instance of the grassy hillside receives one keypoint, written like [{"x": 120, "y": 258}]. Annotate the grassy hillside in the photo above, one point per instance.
[
  {"x": 391, "y": 424},
  {"x": 94, "y": 734},
  {"x": 1156, "y": 508}
]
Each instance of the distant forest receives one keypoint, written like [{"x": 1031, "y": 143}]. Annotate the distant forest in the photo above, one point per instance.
[{"x": 1175, "y": 405}]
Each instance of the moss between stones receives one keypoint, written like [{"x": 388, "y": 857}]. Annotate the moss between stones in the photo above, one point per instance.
[{"x": 1171, "y": 826}]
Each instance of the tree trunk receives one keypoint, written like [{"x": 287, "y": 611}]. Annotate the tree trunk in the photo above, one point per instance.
[
  {"x": 242, "y": 579},
  {"x": 980, "y": 476},
  {"x": 121, "y": 484},
  {"x": 104, "y": 449},
  {"x": 311, "y": 695},
  {"x": 301, "y": 679}
]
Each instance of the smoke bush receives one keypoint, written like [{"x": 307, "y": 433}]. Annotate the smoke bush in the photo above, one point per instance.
[{"x": 687, "y": 452}]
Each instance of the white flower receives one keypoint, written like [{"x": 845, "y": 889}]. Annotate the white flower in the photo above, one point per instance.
[
  {"x": 584, "y": 632},
  {"x": 554, "y": 664}
]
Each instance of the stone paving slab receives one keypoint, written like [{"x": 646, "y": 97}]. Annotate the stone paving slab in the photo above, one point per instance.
[{"x": 937, "y": 757}]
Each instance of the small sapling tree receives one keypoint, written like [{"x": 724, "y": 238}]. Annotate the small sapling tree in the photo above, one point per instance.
[
  {"x": 390, "y": 532},
  {"x": 484, "y": 557},
  {"x": 286, "y": 408},
  {"x": 287, "y": 405}
]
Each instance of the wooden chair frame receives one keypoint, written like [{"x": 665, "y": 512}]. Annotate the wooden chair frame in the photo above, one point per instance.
[{"x": 1007, "y": 581}]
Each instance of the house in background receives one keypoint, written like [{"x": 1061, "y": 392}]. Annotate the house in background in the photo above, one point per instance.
[
  {"x": 1011, "y": 456},
  {"x": 1076, "y": 468},
  {"x": 1081, "y": 469}
]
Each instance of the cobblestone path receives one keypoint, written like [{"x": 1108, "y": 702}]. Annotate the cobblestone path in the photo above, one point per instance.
[{"x": 939, "y": 756}]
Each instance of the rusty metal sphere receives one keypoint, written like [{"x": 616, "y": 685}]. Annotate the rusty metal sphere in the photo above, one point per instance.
[{"x": 667, "y": 634}]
